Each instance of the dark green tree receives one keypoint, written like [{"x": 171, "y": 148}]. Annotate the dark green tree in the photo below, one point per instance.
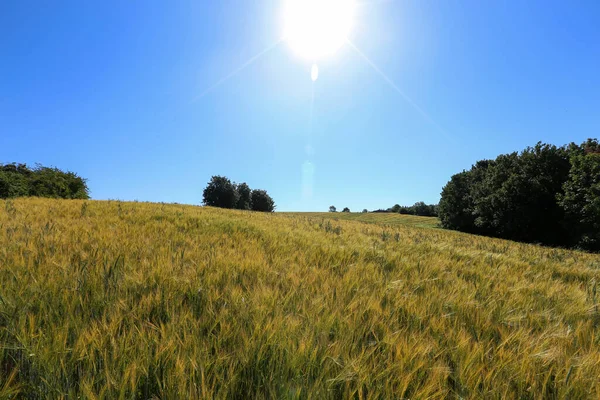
[
  {"x": 18, "y": 180},
  {"x": 545, "y": 194},
  {"x": 456, "y": 205},
  {"x": 420, "y": 208},
  {"x": 220, "y": 192},
  {"x": 332, "y": 209},
  {"x": 244, "y": 197},
  {"x": 346, "y": 210},
  {"x": 581, "y": 197},
  {"x": 516, "y": 197},
  {"x": 261, "y": 201}
]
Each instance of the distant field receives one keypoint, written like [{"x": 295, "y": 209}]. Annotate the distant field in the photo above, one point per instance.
[
  {"x": 136, "y": 300},
  {"x": 390, "y": 219}
]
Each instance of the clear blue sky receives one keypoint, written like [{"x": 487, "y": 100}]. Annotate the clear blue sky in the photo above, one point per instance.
[{"x": 110, "y": 89}]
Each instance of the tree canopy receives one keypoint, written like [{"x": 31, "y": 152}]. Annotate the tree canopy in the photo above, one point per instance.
[
  {"x": 221, "y": 192},
  {"x": 544, "y": 194},
  {"x": 419, "y": 208},
  {"x": 244, "y": 196},
  {"x": 261, "y": 201},
  {"x": 19, "y": 180}
]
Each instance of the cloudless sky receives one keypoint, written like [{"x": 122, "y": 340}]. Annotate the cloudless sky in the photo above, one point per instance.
[{"x": 111, "y": 90}]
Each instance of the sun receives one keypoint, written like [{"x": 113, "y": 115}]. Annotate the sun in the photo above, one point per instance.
[{"x": 317, "y": 28}]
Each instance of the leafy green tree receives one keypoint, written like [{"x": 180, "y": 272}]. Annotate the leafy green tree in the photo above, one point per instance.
[
  {"x": 396, "y": 208},
  {"x": 4, "y": 186},
  {"x": 365, "y": 211},
  {"x": 516, "y": 199},
  {"x": 420, "y": 208},
  {"x": 332, "y": 209},
  {"x": 346, "y": 210},
  {"x": 545, "y": 194},
  {"x": 581, "y": 198},
  {"x": 244, "y": 197},
  {"x": 261, "y": 201},
  {"x": 456, "y": 205},
  {"x": 220, "y": 192},
  {"x": 18, "y": 180}
]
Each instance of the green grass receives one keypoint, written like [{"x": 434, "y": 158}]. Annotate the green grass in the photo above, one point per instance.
[{"x": 131, "y": 300}]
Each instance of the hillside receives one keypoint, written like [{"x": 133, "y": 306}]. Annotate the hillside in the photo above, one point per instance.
[
  {"x": 383, "y": 219},
  {"x": 136, "y": 300}
]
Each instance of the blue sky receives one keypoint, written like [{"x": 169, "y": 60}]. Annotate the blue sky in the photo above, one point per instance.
[{"x": 110, "y": 89}]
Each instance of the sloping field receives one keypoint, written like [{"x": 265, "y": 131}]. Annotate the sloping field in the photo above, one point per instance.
[
  {"x": 132, "y": 300},
  {"x": 391, "y": 219}
]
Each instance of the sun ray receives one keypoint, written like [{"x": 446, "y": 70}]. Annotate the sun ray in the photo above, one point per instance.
[
  {"x": 393, "y": 85},
  {"x": 236, "y": 71}
]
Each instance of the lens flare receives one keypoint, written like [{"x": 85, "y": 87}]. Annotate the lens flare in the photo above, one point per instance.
[{"x": 314, "y": 72}]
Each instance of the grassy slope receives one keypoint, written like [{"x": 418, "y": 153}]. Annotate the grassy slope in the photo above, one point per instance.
[
  {"x": 113, "y": 299},
  {"x": 384, "y": 219}
]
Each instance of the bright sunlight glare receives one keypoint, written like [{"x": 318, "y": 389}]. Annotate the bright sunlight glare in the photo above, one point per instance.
[{"x": 317, "y": 28}]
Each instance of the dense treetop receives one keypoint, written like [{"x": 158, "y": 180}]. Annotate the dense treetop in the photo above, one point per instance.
[
  {"x": 544, "y": 194},
  {"x": 221, "y": 192},
  {"x": 19, "y": 180}
]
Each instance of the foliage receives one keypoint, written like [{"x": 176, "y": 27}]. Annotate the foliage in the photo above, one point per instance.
[
  {"x": 419, "y": 208},
  {"x": 346, "y": 210},
  {"x": 18, "y": 180},
  {"x": 261, "y": 201},
  {"x": 135, "y": 300},
  {"x": 244, "y": 196},
  {"x": 220, "y": 192},
  {"x": 365, "y": 210},
  {"x": 332, "y": 209},
  {"x": 581, "y": 198},
  {"x": 521, "y": 196}
]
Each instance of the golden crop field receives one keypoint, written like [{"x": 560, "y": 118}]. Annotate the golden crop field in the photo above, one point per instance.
[
  {"x": 136, "y": 300},
  {"x": 383, "y": 219}
]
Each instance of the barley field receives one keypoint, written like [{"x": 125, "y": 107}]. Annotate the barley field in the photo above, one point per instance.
[
  {"x": 383, "y": 219},
  {"x": 137, "y": 300}
]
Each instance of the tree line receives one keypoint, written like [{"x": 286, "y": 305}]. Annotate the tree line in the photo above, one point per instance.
[
  {"x": 544, "y": 194},
  {"x": 419, "y": 208},
  {"x": 19, "y": 180},
  {"x": 221, "y": 192}
]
